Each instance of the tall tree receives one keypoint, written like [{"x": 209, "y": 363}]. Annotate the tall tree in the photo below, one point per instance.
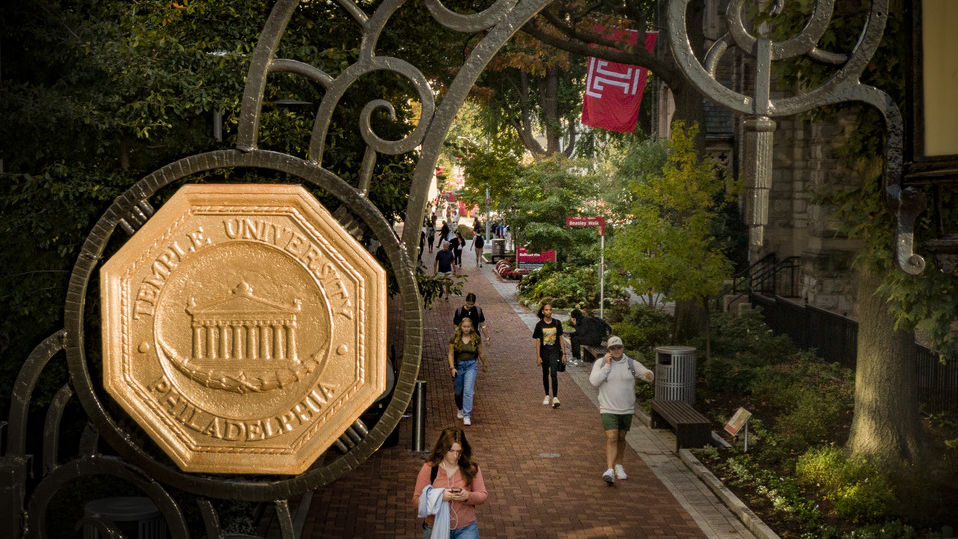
[
  {"x": 533, "y": 88},
  {"x": 670, "y": 246}
]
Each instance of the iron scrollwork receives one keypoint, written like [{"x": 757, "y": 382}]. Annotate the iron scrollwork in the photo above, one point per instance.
[
  {"x": 759, "y": 108},
  {"x": 134, "y": 461}
]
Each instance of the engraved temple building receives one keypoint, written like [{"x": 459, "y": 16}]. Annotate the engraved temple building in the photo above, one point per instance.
[{"x": 245, "y": 328}]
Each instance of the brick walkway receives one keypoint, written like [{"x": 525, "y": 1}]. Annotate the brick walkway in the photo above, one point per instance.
[{"x": 541, "y": 466}]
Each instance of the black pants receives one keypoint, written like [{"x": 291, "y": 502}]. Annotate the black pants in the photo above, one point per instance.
[
  {"x": 549, "y": 368},
  {"x": 578, "y": 341},
  {"x": 458, "y": 253}
]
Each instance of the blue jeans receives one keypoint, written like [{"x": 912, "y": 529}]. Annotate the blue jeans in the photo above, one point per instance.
[
  {"x": 465, "y": 385},
  {"x": 466, "y": 532}
]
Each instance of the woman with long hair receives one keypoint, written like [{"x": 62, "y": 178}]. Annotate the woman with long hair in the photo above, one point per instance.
[
  {"x": 465, "y": 349},
  {"x": 449, "y": 487},
  {"x": 549, "y": 351}
]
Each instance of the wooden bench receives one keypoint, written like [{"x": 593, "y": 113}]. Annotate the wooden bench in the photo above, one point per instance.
[
  {"x": 692, "y": 429},
  {"x": 595, "y": 352}
]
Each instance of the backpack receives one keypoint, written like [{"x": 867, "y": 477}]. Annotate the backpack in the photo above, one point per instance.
[
  {"x": 479, "y": 241},
  {"x": 461, "y": 313}
]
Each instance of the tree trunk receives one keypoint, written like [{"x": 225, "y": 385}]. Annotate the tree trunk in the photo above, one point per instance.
[
  {"x": 886, "y": 424},
  {"x": 689, "y": 319},
  {"x": 549, "y": 101}
]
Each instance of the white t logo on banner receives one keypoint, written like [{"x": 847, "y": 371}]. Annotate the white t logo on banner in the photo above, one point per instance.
[{"x": 600, "y": 75}]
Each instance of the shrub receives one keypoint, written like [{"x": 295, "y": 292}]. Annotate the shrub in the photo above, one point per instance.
[
  {"x": 814, "y": 397},
  {"x": 569, "y": 287},
  {"x": 726, "y": 376},
  {"x": 859, "y": 490},
  {"x": 643, "y": 328},
  {"x": 747, "y": 338}
]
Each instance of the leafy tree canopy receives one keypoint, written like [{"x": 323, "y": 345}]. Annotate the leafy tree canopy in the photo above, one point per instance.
[{"x": 669, "y": 246}]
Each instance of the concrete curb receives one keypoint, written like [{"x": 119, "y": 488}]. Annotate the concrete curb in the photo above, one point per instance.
[{"x": 734, "y": 504}]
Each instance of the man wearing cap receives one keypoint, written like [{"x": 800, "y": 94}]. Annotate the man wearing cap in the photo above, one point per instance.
[
  {"x": 615, "y": 376},
  {"x": 589, "y": 330}
]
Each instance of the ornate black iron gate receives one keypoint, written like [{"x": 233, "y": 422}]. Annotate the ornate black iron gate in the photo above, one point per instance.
[{"x": 24, "y": 502}]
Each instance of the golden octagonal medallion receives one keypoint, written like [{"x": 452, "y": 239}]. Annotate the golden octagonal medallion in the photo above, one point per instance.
[{"x": 244, "y": 328}]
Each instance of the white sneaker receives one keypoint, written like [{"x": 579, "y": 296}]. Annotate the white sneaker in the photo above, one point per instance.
[
  {"x": 466, "y": 421},
  {"x": 620, "y": 472},
  {"x": 609, "y": 477},
  {"x": 546, "y": 401},
  {"x": 460, "y": 414},
  {"x": 555, "y": 402}
]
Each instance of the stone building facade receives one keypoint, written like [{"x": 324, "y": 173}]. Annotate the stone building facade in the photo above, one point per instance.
[{"x": 807, "y": 167}]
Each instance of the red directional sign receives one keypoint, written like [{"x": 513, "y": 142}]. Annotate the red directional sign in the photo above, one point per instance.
[{"x": 587, "y": 221}]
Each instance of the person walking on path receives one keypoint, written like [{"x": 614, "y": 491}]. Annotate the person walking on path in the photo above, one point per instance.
[
  {"x": 443, "y": 233},
  {"x": 478, "y": 241},
  {"x": 465, "y": 349},
  {"x": 459, "y": 244},
  {"x": 472, "y": 311},
  {"x": 589, "y": 330},
  {"x": 444, "y": 266},
  {"x": 449, "y": 487},
  {"x": 549, "y": 351},
  {"x": 615, "y": 377},
  {"x": 431, "y": 231}
]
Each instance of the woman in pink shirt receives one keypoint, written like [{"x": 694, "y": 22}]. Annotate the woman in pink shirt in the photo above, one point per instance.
[{"x": 450, "y": 467}]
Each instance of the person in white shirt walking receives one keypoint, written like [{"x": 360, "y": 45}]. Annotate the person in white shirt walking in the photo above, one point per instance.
[{"x": 615, "y": 376}]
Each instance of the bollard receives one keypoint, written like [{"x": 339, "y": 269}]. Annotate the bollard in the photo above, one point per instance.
[{"x": 419, "y": 416}]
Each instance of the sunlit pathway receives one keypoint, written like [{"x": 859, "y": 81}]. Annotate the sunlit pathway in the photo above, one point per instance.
[{"x": 542, "y": 466}]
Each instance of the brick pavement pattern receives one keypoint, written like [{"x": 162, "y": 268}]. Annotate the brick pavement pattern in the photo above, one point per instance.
[{"x": 541, "y": 465}]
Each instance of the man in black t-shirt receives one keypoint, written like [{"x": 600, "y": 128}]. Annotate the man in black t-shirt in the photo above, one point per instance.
[
  {"x": 443, "y": 266},
  {"x": 471, "y": 310}
]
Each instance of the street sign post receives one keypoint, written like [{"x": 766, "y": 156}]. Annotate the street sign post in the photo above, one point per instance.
[{"x": 581, "y": 221}]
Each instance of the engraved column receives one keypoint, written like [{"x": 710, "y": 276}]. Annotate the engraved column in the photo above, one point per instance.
[
  {"x": 251, "y": 335},
  {"x": 279, "y": 334},
  {"x": 224, "y": 327},
  {"x": 212, "y": 340},
  {"x": 291, "y": 341},
  {"x": 265, "y": 339},
  {"x": 197, "y": 341},
  {"x": 237, "y": 339}
]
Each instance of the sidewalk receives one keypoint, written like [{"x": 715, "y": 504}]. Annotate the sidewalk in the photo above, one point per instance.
[{"x": 541, "y": 465}]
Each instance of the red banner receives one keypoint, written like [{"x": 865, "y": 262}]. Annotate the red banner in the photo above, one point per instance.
[
  {"x": 587, "y": 221},
  {"x": 613, "y": 91},
  {"x": 527, "y": 260}
]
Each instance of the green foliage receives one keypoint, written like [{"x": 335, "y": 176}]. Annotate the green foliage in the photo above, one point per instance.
[
  {"x": 544, "y": 194},
  {"x": 859, "y": 490},
  {"x": 669, "y": 246},
  {"x": 569, "y": 287},
  {"x": 748, "y": 339},
  {"x": 643, "y": 328},
  {"x": 814, "y": 398},
  {"x": 430, "y": 286},
  {"x": 97, "y": 94},
  {"x": 783, "y": 493}
]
